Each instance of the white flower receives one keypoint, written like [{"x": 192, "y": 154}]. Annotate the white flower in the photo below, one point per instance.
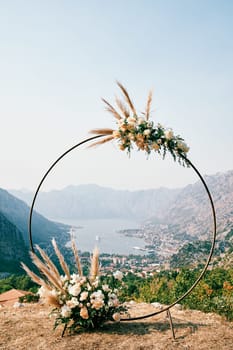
[
  {"x": 116, "y": 317},
  {"x": 118, "y": 275},
  {"x": 168, "y": 134},
  {"x": 105, "y": 288},
  {"x": 74, "y": 290},
  {"x": 72, "y": 303},
  {"x": 65, "y": 311},
  {"x": 83, "y": 296},
  {"x": 97, "y": 295},
  {"x": 75, "y": 278},
  {"x": 113, "y": 300},
  {"x": 147, "y": 132}
]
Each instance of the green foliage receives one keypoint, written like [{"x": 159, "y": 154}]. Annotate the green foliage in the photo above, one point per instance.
[
  {"x": 29, "y": 298},
  {"x": 22, "y": 282},
  {"x": 214, "y": 293}
]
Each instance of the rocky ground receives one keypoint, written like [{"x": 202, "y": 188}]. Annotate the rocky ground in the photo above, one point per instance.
[{"x": 30, "y": 327}]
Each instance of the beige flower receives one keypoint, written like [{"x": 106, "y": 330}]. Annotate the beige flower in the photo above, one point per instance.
[
  {"x": 116, "y": 317},
  {"x": 182, "y": 146},
  {"x": 155, "y": 146},
  {"x": 72, "y": 303},
  {"x": 116, "y": 134},
  {"x": 146, "y": 132},
  {"x": 123, "y": 127},
  {"x": 168, "y": 134},
  {"x": 97, "y": 303},
  {"x": 131, "y": 120},
  {"x": 84, "y": 313}
]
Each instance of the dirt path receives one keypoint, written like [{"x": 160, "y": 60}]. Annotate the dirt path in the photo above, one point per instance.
[{"x": 30, "y": 328}]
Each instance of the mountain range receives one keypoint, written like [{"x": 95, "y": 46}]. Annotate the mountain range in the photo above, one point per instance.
[
  {"x": 96, "y": 202},
  {"x": 186, "y": 209},
  {"x": 170, "y": 218}
]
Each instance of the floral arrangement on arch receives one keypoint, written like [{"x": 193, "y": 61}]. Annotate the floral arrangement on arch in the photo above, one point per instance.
[
  {"x": 139, "y": 130},
  {"x": 79, "y": 301}
]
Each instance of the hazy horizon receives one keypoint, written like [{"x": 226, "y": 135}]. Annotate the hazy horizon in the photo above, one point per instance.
[{"x": 24, "y": 189}]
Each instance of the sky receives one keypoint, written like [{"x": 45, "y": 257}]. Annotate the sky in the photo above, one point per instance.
[{"x": 59, "y": 58}]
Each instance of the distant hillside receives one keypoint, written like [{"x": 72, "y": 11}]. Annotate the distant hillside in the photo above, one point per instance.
[
  {"x": 17, "y": 212},
  {"x": 191, "y": 208},
  {"x": 95, "y": 202},
  {"x": 12, "y": 247},
  {"x": 14, "y": 238}
]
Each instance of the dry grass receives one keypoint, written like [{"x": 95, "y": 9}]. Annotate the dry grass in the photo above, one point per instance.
[{"x": 30, "y": 328}]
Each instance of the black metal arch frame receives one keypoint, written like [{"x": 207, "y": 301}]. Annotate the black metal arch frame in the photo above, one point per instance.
[{"x": 213, "y": 237}]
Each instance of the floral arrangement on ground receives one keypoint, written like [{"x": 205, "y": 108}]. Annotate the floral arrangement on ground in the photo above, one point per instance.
[
  {"x": 79, "y": 301},
  {"x": 139, "y": 130}
]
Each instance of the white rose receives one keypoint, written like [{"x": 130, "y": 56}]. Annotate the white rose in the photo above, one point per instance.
[
  {"x": 97, "y": 295},
  {"x": 105, "y": 288},
  {"x": 74, "y": 290},
  {"x": 72, "y": 303},
  {"x": 118, "y": 275},
  {"x": 83, "y": 296},
  {"x": 65, "y": 311},
  {"x": 75, "y": 278},
  {"x": 147, "y": 132}
]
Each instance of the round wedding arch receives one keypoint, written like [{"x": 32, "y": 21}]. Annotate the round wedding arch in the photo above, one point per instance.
[{"x": 131, "y": 130}]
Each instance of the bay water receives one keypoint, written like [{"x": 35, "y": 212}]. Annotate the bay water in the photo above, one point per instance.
[{"x": 104, "y": 234}]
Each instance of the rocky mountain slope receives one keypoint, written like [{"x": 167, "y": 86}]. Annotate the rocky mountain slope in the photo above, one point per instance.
[
  {"x": 12, "y": 247},
  {"x": 17, "y": 212},
  {"x": 14, "y": 238}
]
